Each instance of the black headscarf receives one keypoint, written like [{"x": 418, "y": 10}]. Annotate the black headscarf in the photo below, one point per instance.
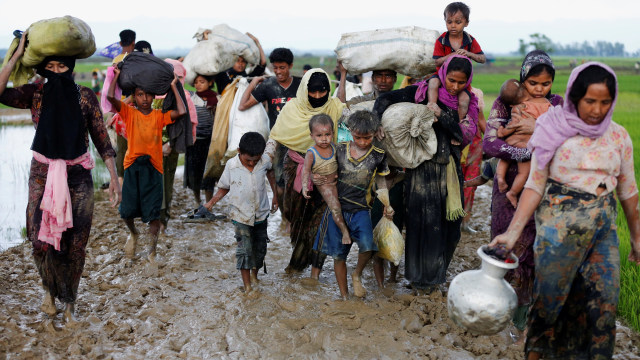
[
  {"x": 61, "y": 127},
  {"x": 318, "y": 82},
  {"x": 533, "y": 59}
]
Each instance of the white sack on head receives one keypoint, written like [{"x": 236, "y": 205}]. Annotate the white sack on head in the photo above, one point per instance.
[
  {"x": 409, "y": 136},
  {"x": 240, "y": 122},
  {"x": 219, "y": 52},
  {"x": 407, "y": 50}
]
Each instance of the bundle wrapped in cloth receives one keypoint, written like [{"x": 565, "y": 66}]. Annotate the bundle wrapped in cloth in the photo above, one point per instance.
[
  {"x": 154, "y": 75},
  {"x": 218, "y": 50},
  {"x": 409, "y": 136},
  {"x": 62, "y": 36},
  {"x": 407, "y": 50}
]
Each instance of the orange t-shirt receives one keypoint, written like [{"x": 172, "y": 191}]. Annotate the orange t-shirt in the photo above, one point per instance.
[{"x": 144, "y": 134}]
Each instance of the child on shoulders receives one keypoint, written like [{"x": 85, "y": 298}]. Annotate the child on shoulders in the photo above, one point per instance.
[
  {"x": 455, "y": 41},
  {"x": 243, "y": 180},
  {"x": 359, "y": 164}
]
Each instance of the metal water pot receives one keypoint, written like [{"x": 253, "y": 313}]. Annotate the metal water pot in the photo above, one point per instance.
[{"x": 481, "y": 300}]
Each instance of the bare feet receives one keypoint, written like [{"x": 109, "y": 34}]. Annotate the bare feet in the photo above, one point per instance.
[
  {"x": 48, "y": 304},
  {"x": 69, "y": 313},
  {"x": 254, "y": 279},
  {"x": 513, "y": 198},
  {"x": 502, "y": 184},
  {"x": 468, "y": 229},
  {"x": 358, "y": 289},
  {"x": 346, "y": 239},
  {"x": 130, "y": 246}
]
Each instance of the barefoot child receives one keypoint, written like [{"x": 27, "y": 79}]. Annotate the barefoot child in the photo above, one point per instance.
[
  {"x": 455, "y": 41},
  {"x": 359, "y": 164},
  {"x": 142, "y": 186},
  {"x": 321, "y": 159},
  {"x": 512, "y": 93},
  {"x": 243, "y": 180}
]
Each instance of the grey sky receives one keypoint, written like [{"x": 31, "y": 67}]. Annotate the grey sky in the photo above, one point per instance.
[{"x": 304, "y": 25}]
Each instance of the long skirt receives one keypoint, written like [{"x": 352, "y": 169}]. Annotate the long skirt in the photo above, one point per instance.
[
  {"x": 61, "y": 270},
  {"x": 521, "y": 279},
  {"x": 305, "y": 217},
  {"x": 471, "y": 170},
  {"x": 430, "y": 239},
  {"x": 577, "y": 279}
]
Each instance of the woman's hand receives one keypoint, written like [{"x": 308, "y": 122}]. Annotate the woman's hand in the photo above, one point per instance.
[
  {"x": 507, "y": 239},
  {"x": 115, "y": 192},
  {"x": 21, "y": 46},
  {"x": 522, "y": 122},
  {"x": 305, "y": 192}
]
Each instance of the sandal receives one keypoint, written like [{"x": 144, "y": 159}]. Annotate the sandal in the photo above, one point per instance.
[{"x": 201, "y": 214}]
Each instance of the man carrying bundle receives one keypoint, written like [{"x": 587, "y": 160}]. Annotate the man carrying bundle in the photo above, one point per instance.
[{"x": 226, "y": 77}]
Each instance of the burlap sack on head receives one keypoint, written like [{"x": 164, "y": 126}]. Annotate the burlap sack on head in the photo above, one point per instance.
[
  {"x": 219, "y": 51},
  {"x": 407, "y": 50},
  {"x": 62, "y": 36},
  {"x": 409, "y": 136}
]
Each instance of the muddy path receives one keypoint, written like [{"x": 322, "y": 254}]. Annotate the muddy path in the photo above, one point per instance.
[{"x": 191, "y": 305}]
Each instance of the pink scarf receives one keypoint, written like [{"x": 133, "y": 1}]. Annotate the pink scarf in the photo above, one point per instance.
[
  {"x": 104, "y": 103},
  {"x": 297, "y": 183},
  {"x": 56, "y": 200},
  {"x": 181, "y": 72},
  {"x": 561, "y": 122},
  {"x": 443, "y": 95}
]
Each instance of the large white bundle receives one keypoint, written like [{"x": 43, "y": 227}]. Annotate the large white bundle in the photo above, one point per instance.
[
  {"x": 407, "y": 50},
  {"x": 409, "y": 136},
  {"x": 240, "y": 122},
  {"x": 219, "y": 52}
]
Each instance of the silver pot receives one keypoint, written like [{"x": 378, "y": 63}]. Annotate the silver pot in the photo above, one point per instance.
[{"x": 481, "y": 300}]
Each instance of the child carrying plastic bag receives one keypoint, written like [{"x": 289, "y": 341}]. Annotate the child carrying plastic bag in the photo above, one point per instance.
[{"x": 387, "y": 236}]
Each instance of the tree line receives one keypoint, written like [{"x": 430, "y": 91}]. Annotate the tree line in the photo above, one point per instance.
[{"x": 598, "y": 48}]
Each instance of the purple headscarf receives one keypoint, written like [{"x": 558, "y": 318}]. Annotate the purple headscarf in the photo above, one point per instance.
[
  {"x": 443, "y": 95},
  {"x": 561, "y": 122}
]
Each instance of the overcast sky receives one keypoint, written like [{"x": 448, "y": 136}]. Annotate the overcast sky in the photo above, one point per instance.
[{"x": 303, "y": 25}]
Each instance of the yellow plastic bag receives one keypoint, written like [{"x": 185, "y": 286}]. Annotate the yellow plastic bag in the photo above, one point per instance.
[
  {"x": 218, "y": 146},
  {"x": 387, "y": 236}
]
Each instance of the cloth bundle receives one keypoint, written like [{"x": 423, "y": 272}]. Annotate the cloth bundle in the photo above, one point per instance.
[
  {"x": 219, "y": 135},
  {"x": 409, "y": 136},
  {"x": 241, "y": 122},
  {"x": 406, "y": 50},
  {"x": 219, "y": 51},
  {"x": 154, "y": 75},
  {"x": 62, "y": 36}
]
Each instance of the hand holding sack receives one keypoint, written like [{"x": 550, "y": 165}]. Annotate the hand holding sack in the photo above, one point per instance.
[
  {"x": 407, "y": 50},
  {"x": 61, "y": 36},
  {"x": 386, "y": 235},
  {"x": 219, "y": 51}
]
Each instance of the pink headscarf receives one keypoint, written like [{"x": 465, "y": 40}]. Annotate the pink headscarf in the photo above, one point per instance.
[
  {"x": 443, "y": 95},
  {"x": 561, "y": 122},
  {"x": 181, "y": 72}
]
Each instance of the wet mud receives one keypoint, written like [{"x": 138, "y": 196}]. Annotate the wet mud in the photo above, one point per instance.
[{"x": 190, "y": 303}]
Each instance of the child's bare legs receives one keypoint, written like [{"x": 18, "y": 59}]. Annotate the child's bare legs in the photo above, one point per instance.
[
  {"x": 196, "y": 197},
  {"x": 363, "y": 259},
  {"x": 329, "y": 193},
  {"x": 463, "y": 104},
  {"x": 501, "y": 173},
  {"x": 132, "y": 240},
  {"x": 340, "y": 268},
  {"x": 518, "y": 182},
  {"x": 154, "y": 228},
  {"x": 208, "y": 194},
  {"x": 254, "y": 276},
  {"x": 378, "y": 270},
  {"x": 246, "y": 279}
]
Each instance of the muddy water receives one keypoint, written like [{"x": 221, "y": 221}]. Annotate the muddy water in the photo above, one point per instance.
[{"x": 191, "y": 304}]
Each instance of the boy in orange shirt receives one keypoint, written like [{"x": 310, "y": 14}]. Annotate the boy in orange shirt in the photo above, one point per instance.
[{"x": 142, "y": 186}]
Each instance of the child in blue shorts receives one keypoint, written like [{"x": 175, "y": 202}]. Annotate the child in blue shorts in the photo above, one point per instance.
[
  {"x": 243, "y": 181},
  {"x": 359, "y": 164}
]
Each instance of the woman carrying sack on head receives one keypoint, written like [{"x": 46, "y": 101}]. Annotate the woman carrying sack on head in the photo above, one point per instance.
[{"x": 60, "y": 207}]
